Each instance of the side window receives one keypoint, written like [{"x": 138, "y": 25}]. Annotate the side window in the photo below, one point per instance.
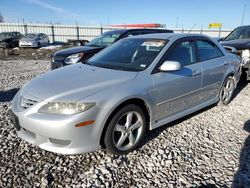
[
  {"x": 208, "y": 50},
  {"x": 183, "y": 52},
  {"x": 133, "y": 33},
  {"x": 14, "y": 34}
]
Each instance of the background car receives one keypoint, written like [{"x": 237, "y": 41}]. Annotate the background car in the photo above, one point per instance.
[
  {"x": 136, "y": 84},
  {"x": 79, "y": 54},
  {"x": 34, "y": 40},
  {"x": 9, "y": 39},
  {"x": 240, "y": 39}
]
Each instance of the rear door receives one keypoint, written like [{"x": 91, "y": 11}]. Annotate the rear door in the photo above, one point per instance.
[
  {"x": 40, "y": 39},
  {"x": 214, "y": 64},
  {"x": 178, "y": 90}
]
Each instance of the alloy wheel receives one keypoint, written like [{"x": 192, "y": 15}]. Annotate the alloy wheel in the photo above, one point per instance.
[
  {"x": 227, "y": 90},
  {"x": 128, "y": 130}
]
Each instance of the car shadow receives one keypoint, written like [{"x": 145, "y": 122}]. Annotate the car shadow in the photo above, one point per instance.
[
  {"x": 241, "y": 85},
  {"x": 8, "y": 95},
  {"x": 150, "y": 135},
  {"x": 242, "y": 176}
]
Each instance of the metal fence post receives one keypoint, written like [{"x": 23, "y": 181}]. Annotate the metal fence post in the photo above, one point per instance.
[
  {"x": 219, "y": 31},
  {"x": 25, "y": 26},
  {"x": 101, "y": 30},
  {"x": 53, "y": 33},
  {"x": 77, "y": 32}
]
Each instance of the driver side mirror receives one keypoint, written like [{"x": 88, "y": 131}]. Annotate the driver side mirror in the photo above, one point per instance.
[{"x": 168, "y": 66}]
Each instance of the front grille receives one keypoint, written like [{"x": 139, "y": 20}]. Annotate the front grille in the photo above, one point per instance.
[{"x": 26, "y": 102}]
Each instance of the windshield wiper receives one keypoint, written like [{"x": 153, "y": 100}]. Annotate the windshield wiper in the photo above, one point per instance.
[
  {"x": 94, "y": 45},
  {"x": 110, "y": 67}
]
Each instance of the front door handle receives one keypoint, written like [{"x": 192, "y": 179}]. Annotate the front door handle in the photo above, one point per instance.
[{"x": 196, "y": 73}]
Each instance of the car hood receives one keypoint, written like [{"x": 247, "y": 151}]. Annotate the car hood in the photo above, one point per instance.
[
  {"x": 75, "y": 82},
  {"x": 4, "y": 38},
  {"x": 28, "y": 39},
  {"x": 238, "y": 44},
  {"x": 74, "y": 50}
]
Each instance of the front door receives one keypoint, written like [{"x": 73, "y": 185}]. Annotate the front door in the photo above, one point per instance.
[{"x": 178, "y": 90}]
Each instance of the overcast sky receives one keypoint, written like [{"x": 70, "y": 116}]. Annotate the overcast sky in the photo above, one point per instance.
[{"x": 186, "y": 13}]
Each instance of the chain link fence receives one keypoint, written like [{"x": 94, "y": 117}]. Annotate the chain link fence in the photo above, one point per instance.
[{"x": 61, "y": 33}]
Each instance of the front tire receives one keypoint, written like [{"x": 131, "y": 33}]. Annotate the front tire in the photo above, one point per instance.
[
  {"x": 39, "y": 45},
  {"x": 226, "y": 91},
  {"x": 78, "y": 43},
  {"x": 125, "y": 130}
]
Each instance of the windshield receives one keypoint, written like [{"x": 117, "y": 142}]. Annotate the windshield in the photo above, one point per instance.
[
  {"x": 128, "y": 54},
  {"x": 239, "y": 33},
  {"x": 30, "y": 35},
  {"x": 5, "y": 35},
  {"x": 105, "y": 39}
]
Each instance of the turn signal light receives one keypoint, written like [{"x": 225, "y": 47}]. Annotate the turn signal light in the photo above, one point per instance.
[{"x": 85, "y": 123}]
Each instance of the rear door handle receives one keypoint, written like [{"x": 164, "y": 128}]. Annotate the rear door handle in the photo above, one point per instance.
[{"x": 225, "y": 63}]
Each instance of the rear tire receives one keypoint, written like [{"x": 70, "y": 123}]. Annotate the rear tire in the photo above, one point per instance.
[
  {"x": 226, "y": 91},
  {"x": 125, "y": 130}
]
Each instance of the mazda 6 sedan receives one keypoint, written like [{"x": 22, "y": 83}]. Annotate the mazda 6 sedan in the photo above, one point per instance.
[{"x": 137, "y": 84}]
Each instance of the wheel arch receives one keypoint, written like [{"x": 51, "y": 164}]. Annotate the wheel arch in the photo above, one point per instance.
[
  {"x": 137, "y": 101},
  {"x": 230, "y": 73}
]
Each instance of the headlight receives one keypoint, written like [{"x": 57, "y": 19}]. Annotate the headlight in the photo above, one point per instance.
[
  {"x": 245, "y": 55},
  {"x": 65, "y": 108},
  {"x": 73, "y": 58}
]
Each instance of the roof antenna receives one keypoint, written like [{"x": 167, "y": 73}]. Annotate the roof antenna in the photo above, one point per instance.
[{"x": 243, "y": 16}]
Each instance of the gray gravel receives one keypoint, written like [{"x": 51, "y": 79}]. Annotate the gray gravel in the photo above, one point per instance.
[{"x": 208, "y": 148}]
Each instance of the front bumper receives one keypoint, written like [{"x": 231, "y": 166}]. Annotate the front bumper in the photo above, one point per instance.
[
  {"x": 57, "y": 133},
  {"x": 4, "y": 45},
  {"x": 27, "y": 44}
]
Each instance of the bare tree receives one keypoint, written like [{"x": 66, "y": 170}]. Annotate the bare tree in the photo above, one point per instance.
[{"x": 1, "y": 18}]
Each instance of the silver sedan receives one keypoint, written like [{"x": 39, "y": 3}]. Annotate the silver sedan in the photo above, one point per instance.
[
  {"x": 136, "y": 84},
  {"x": 34, "y": 40}
]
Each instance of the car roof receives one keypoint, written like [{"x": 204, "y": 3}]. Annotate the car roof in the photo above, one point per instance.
[
  {"x": 167, "y": 36},
  {"x": 138, "y": 29},
  {"x": 243, "y": 26}
]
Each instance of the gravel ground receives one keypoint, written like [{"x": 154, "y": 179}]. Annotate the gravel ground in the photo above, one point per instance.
[
  {"x": 210, "y": 148},
  {"x": 31, "y": 53}
]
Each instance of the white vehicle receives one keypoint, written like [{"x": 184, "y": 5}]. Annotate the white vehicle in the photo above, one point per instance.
[{"x": 34, "y": 40}]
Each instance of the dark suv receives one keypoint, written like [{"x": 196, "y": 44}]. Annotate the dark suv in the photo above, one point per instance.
[
  {"x": 239, "y": 38},
  {"x": 80, "y": 54},
  {"x": 9, "y": 39}
]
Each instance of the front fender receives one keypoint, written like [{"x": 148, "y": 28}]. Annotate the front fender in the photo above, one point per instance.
[{"x": 109, "y": 99}]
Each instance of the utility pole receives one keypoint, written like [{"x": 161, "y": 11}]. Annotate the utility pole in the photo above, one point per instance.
[{"x": 243, "y": 16}]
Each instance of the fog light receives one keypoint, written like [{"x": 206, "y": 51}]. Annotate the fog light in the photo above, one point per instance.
[{"x": 60, "y": 142}]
